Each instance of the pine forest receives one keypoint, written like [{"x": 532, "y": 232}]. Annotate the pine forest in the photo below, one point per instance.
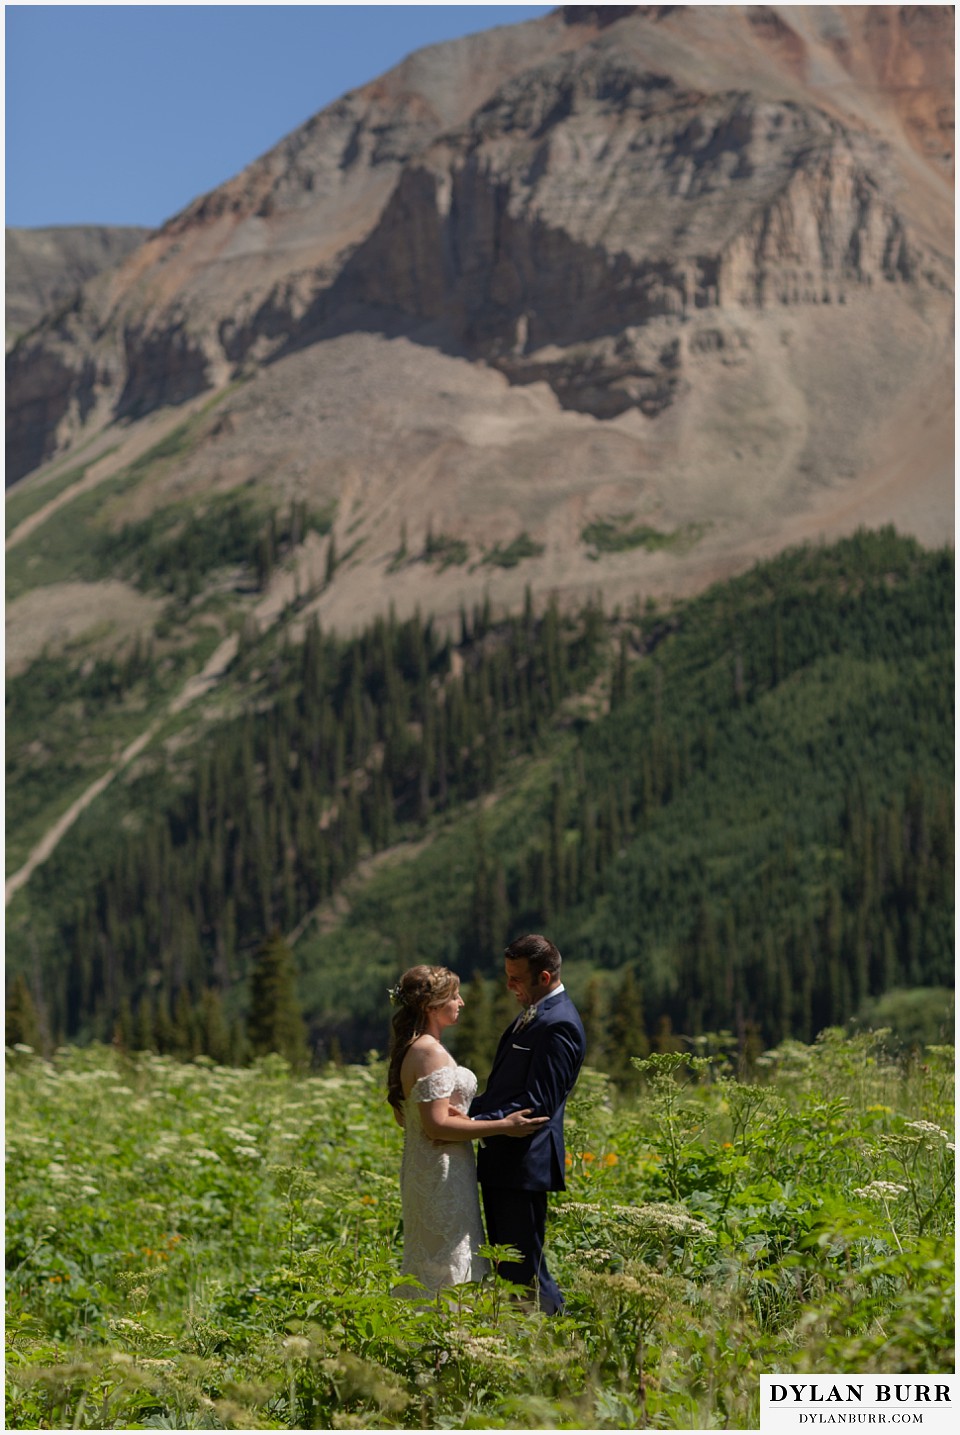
[{"x": 734, "y": 815}]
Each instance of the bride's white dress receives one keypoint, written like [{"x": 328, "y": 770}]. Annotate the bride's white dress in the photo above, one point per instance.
[{"x": 442, "y": 1231}]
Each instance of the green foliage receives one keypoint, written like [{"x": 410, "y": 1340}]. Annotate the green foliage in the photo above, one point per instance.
[
  {"x": 911, "y": 1019},
  {"x": 177, "y": 549},
  {"x": 66, "y": 546},
  {"x": 69, "y": 717},
  {"x": 444, "y": 551},
  {"x": 477, "y": 1032},
  {"x": 523, "y": 546},
  {"x": 25, "y": 501},
  {"x": 22, "y": 1026},
  {"x": 759, "y": 830},
  {"x": 190, "y": 1245},
  {"x": 345, "y": 743},
  {"x": 616, "y": 536},
  {"x": 274, "y": 1023}
]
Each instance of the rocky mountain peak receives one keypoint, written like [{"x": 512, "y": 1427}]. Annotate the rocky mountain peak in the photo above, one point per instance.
[{"x": 705, "y": 252}]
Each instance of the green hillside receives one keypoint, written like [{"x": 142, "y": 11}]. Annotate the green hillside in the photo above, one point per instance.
[{"x": 733, "y": 816}]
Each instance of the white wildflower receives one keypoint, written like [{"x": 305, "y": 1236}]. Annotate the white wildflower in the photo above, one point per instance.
[
  {"x": 297, "y": 1346},
  {"x": 598, "y": 1257},
  {"x": 880, "y": 1190},
  {"x": 90, "y": 1190},
  {"x": 928, "y": 1126},
  {"x": 250, "y": 1152},
  {"x": 488, "y": 1348},
  {"x": 661, "y": 1220}
]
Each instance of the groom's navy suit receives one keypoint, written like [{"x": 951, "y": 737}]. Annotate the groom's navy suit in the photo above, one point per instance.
[{"x": 535, "y": 1066}]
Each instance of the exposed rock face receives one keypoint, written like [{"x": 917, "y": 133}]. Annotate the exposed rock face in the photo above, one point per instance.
[
  {"x": 46, "y": 267},
  {"x": 560, "y": 200},
  {"x": 589, "y": 197}
]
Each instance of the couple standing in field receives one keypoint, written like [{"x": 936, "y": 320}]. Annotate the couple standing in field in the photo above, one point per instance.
[{"x": 518, "y": 1121}]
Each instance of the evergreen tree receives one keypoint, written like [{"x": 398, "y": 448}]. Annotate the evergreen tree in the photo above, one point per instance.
[
  {"x": 505, "y": 1010},
  {"x": 476, "y": 1034},
  {"x": 628, "y": 1033},
  {"x": 239, "y": 1048},
  {"x": 274, "y": 1023},
  {"x": 618, "y": 686},
  {"x": 162, "y": 1025},
  {"x": 215, "y": 1039},
  {"x": 144, "y": 1037},
  {"x": 22, "y": 1024},
  {"x": 489, "y": 914},
  {"x": 594, "y": 1016},
  {"x": 664, "y": 1038},
  {"x": 123, "y": 1028},
  {"x": 186, "y": 1043},
  {"x": 332, "y": 560}
]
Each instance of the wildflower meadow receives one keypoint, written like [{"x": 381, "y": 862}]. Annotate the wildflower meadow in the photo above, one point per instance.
[{"x": 193, "y": 1246}]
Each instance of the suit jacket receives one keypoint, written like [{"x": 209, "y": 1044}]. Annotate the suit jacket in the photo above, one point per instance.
[{"x": 535, "y": 1067}]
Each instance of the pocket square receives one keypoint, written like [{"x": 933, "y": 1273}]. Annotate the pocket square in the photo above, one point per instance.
[{"x": 518, "y": 1047}]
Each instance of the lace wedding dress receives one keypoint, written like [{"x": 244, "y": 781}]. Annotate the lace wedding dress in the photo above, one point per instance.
[{"x": 442, "y": 1231}]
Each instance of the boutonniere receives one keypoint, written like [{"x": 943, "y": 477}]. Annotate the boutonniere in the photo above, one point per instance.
[{"x": 526, "y": 1017}]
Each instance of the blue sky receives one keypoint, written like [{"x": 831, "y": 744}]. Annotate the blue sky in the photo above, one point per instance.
[{"x": 121, "y": 114}]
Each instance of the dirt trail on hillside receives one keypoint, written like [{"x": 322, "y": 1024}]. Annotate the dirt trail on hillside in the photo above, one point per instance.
[
  {"x": 267, "y": 612},
  {"x": 149, "y": 432},
  {"x": 195, "y": 686},
  {"x": 63, "y": 823}
]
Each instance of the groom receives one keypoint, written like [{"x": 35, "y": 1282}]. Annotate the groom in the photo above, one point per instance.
[{"x": 536, "y": 1066}]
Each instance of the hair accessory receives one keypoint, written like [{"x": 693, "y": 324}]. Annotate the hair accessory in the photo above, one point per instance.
[{"x": 394, "y": 994}]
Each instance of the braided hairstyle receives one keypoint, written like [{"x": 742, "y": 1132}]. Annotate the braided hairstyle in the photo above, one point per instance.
[{"x": 419, "y": 989}]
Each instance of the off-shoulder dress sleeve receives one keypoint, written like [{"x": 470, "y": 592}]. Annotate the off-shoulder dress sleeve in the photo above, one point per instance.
[{"x": 435, "y": 1085}]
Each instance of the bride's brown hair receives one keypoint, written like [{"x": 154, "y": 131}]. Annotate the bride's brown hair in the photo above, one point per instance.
[{"x": 419, "y": 989}]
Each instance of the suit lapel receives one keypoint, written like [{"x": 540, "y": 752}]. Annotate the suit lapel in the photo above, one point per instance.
[
  {"x": 501, "y": 1051},
  {"x": 528, "y": 1031}
]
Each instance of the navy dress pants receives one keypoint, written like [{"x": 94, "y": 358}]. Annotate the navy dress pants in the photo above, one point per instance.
[{"x": 519, "y": 1218}]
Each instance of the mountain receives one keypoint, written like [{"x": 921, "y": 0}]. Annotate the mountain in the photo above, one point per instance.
[
  {"x": 314, "y": 495},
  {"x": 632, "y": 295},
  {"x": 46, "y": 267}
]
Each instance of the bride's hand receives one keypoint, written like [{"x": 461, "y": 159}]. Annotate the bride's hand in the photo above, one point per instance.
[{"x": 521, "y": 1123}]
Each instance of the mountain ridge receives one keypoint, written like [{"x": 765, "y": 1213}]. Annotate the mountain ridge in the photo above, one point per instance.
[
  {"x": 46, "y": 265},
  {"x": 674, "y": 269}
]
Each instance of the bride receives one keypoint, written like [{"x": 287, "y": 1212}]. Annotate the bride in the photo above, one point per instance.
[{"x": 429, "y": 1094}]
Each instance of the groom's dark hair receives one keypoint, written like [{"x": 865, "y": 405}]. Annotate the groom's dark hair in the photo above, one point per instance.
[{"x": 539, "y": 952}]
